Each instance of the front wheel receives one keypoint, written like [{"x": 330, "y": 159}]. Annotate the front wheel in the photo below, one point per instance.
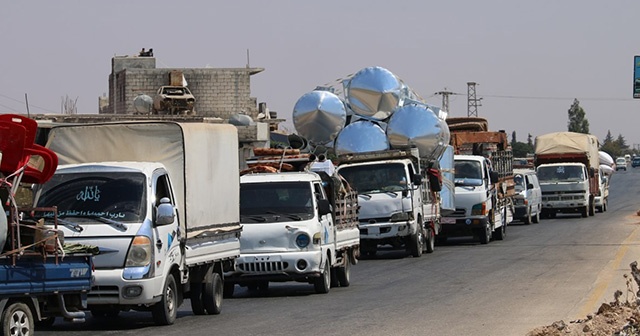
[
  {"x": 416, "y": 242},
  {"x": 485, "y": 234},
  {"x": 592, "y": 208},
  {"x": 166, "y": 311},
  {"x": 585, "y": 211},
  {"x": 322, "y": 283},
  {"x": 536, "y": 219},
  {"x": 17, "y": 319}
]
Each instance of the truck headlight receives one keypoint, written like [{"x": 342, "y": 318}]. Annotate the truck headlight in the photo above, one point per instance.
[
  {"x": 479, "y": 209},
  {"x": 139, "y": 252},
  {"x": 401, "y": 217},
  {"x": 302, "y": 240}
]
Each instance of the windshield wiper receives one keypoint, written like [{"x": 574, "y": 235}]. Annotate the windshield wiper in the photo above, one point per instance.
[
  {"x": 115, "y": 224},
  {"x": 68, "y": 224},
  {"x": 290, "y": 216},
  {"x": 255, "y": 218}
]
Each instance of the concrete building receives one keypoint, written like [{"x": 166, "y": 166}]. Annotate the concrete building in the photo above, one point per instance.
[{"x": 219, "y": 92}]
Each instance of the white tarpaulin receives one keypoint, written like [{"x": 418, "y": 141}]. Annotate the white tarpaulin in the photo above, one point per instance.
[
  {"x": 569, "y": 143},
  {"x": 201, "y": 158},
  {"x": 606, "y": 159}
]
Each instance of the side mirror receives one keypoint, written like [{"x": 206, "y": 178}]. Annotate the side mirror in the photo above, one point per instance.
[
  {"x": 494, "y": 176},
  {"x": 164, "y": 212},
  {"x": 592, "y": 172},
  {"x": 416, "y": 179},
  {"x": 530, "y": 186},
  {"x": 323, "y": 207}
]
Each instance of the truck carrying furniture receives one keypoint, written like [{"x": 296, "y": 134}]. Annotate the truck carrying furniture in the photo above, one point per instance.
[
  {"x": 484, "y": 182},
  {"x": 567, "y": 165},
  {"x": 298, "y": 225},
  {"x": 39, "y": 278},
  {"x": 398, "y": 207},
  {"x": 160, "y": 200}
]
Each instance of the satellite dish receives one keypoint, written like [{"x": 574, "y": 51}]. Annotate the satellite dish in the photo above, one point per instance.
[{"x": 142, "y": 103}]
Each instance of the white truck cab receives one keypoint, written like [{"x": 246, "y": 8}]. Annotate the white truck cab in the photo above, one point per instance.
[{"x": 290, "y": 233}]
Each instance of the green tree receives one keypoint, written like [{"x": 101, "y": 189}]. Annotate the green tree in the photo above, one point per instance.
[
  {"x": 530, "y": 141},
  {"x": 621, "y": 143},
  {"x": 577, "y": 120},
  {"x": 513, "y": 137},
  {"x": 610, "y": 146}
]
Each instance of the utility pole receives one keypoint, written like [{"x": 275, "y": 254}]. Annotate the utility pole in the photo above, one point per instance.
[
  {"x": 472, "y": 101},
  {"x": 445, "y": 99}
]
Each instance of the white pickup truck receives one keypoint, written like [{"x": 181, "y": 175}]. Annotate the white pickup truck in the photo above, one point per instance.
[
  {"x": 295, "y": 230},
  {"x": 160, "y": 200}
]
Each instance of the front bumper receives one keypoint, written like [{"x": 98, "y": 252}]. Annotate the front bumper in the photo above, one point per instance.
[
  {"x": 386, "y": 230},
  {"x": 456, "y": 226},
  {"x": 284, "y": 266},
  {"x": 109, "y": 286}
]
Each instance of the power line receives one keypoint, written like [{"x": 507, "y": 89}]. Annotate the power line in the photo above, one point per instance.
[
  {"x": 21, "y": 102},
  {"x": 557, "y": 98}
]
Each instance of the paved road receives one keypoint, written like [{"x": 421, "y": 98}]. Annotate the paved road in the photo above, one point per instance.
[{"x": 561, "y": 268}]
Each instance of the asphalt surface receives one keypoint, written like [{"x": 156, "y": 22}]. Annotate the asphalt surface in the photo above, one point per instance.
[{"x": 559, "y": 269}]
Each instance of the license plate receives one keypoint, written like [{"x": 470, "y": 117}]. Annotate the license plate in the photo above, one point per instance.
[{"x": 447, "y": 220}]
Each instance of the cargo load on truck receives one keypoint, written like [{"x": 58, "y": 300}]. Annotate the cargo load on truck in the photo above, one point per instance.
[
  {"x": 41, "y": 277},
  {"x": 567, "y": 165},
  {"x": 484, "y": 181}
]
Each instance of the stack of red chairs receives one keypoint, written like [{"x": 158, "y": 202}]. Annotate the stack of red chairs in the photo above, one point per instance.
[{"x": 17, "y": 137}]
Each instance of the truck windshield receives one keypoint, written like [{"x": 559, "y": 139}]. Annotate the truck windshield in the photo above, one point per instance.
[
  {"x": 275, "y": 201},
  {"x": 560, "y": 173},
  {"x": 117, "y": 196},
  {"x": 376, "y": 178},
  {"x": 468, "y": 173}
]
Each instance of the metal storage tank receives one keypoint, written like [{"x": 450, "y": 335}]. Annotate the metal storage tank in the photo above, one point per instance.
[
  {"x": 417, "y": 126},
  {"x": 318, "y": 116},
  {"x": 447, "y": 194},
  {"x": 361, "y": 136},
  {"x": 374, "y": 92}
]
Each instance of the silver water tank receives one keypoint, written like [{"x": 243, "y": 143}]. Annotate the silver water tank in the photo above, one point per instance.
[
  {"x": 319, "y": 116},
  {"x": 374, "y": 92},
  {"x": 142, "y": 104},
  {"x": 417, "y": 126},
  {"x": 447, "y": 194},
  {"x": 361, "y": 136}
]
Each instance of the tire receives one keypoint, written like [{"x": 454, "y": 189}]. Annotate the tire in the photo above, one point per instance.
[
  {"x": 592, "y": 208},
  {"x": 228, "y": 289},
  {"x": 212, "y": 294},
  {"x": 604, "y": 205},
  {"x": 166, "y": 311},
  {"x": 527, "y": 219},
  {"x": 343, "y": 274},
  {"x": 536, "y": 219},
  {"x": 334, "y": 277},
  {"x": 322, "y": 283},
  {"x": 197, "y": 307},
  {"x": 17, "y": 319},
  {"x": 416, "y": 243},
  {"x": 585, "y": 211},
  {"x": 485, "y": 234},
  {"x": 430, "y": 242}
]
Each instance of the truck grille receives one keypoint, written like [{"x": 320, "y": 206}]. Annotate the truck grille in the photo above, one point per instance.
[{"x": 263, "y": 267}]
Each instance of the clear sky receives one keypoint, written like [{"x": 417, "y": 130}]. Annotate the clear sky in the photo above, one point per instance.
[{"x": 529, "y": 58}]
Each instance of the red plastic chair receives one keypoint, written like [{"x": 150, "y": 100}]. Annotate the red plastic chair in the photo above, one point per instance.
[{"x": 12, "y": 137}]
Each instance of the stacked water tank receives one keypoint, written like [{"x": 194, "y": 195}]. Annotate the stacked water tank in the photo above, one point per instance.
[{"x": 378, "y": 112}]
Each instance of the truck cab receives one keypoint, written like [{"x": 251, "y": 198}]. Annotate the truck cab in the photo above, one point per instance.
[
  {"x": 565, "y": 189},
  {"x": 291, "y": 233},
  {"x": 478, "y": 209},
  {"x": 395, "y": 202}
]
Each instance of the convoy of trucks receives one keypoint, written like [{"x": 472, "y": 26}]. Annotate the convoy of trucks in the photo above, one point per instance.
[
  {"x": 567, "y": 165},
  {"x": 160, "y": 200},
  {"x": 173, "y": 216},
  {"x": 484, "y": 182}
]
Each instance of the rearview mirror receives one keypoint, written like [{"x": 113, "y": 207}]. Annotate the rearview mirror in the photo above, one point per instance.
[
  {"x": 164, "y": 212},
  {"x": 324, "y": 207}
]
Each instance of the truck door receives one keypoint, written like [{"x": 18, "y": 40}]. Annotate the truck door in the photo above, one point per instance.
[
  {"x": 167, "y": 237},
  {"x": 327, "y": 227}
]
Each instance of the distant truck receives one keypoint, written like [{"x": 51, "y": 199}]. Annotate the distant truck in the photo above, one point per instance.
[
  {"x": 398, "y": 207},
  {"x": 567, "y": 165},
  {"x": 484, "y": 182},
  {"x": 297, "y": 226},
  {"x": 160, "y": 200},
  {"x": 173, "y": 100}
]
